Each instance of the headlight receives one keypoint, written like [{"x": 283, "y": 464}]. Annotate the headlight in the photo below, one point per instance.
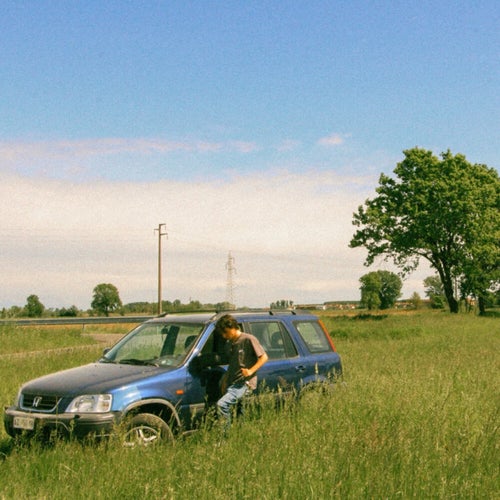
[
  {"x": 18, "y": 400},
  {"x": 91, "y": 403}
]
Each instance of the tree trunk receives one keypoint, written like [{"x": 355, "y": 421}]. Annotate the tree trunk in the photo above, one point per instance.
[
  {"x": 482, "y": 305},
  {"x": 452, "y": 302},
  {"x": 448, "y": 290}
]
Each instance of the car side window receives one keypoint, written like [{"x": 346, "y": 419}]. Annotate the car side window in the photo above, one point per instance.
[
  {"x": 214, "y": 345},
  {"x": 274, "y": 338},
  {"x": 313, "y": 336}
]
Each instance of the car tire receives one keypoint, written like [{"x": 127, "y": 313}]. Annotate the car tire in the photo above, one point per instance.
[{"x": 146, "y": 429}]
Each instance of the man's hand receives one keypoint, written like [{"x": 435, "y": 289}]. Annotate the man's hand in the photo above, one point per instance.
[{"x": 250, "y": 372}]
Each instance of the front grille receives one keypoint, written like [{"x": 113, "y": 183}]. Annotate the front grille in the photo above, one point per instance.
[{"x": 37, "y": 402}]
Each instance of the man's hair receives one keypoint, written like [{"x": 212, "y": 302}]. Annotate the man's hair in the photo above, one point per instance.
[{"x": 226, "y": 321}]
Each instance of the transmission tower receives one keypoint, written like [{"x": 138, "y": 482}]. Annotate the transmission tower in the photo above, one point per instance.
[{"x": 231, "y": 270}]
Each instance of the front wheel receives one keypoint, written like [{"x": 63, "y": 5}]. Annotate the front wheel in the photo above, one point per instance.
[{"x": 146, "y": 429}]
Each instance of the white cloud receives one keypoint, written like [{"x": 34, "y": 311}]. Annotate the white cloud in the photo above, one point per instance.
[
  {"x": 288, "y": 145},
  {"x": 331, "y": 140},
  {"x": 288, "y": 233},
  {"x": 243, "y": 146},
  {"x": 13, "y": 153}
]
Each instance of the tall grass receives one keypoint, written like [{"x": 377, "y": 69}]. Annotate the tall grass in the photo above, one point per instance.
[
  {"x": 415, "y": 417},
  {"x": 25, "y": 339},
  {"x": 30, "y": 352}
]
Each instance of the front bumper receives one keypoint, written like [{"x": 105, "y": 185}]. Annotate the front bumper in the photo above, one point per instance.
[{"x": 17, "y": 422}]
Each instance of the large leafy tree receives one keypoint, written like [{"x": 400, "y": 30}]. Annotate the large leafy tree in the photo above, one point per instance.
[
  {"x": 34, "y": 308},
  {"x": 106, "y": 298},
  {"x": 380, "y": 289},
  {"x": 370, "y": 286},
  {"x": 445, "y": 210}
]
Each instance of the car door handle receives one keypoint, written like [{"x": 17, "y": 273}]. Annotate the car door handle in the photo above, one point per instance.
[{"x": 300, "y": 368}]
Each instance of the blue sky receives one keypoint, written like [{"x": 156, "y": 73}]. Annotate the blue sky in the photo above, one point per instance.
[{"x": 251, "y": 127}]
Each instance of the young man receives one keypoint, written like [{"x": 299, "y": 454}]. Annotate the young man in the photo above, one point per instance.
[{"x": 245, "y": 356}]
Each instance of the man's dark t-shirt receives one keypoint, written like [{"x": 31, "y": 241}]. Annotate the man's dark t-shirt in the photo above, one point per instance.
[{"x": 243, "y": 353}]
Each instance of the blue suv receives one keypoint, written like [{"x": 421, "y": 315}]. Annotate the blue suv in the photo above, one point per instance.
[{"x": 164, "y": 375}]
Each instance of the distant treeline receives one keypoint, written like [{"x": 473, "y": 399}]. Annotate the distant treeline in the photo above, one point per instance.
[
  {"x": 146, "y": 308},
  {"x": 175, "y": 306}
]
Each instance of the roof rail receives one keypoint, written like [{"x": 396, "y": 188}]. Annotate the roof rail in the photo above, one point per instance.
[
  {"x": 271, "y": 312},
  {"x": 193, "y": 311}
]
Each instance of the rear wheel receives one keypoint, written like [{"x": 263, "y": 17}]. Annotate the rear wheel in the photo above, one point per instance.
[{"x": 146, "y": 429}]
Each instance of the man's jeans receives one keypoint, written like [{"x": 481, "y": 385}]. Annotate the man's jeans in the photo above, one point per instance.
[{"x": 227, "y": 402}]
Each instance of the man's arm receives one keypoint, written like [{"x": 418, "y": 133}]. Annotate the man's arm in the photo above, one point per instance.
[{"x": 250, "y": 372}]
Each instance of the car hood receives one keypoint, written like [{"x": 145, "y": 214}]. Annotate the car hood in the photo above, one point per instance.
[{"x": 94, "y": 378}]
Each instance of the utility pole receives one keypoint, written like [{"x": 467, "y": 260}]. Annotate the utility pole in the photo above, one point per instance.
[
  {"x": 230, "y": 282},
  {"x": 160, "y": 234}
]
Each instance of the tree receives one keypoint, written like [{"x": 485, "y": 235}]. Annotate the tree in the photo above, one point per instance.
[
  {"x": 390, "y": 290},
  {"x": 71, "y": 312},
  {"x": 380, "y": 289},
  {"x": 370, "y": 287},
  {"x": 481, "y": 273},
  {"x": 282, "y": 304},
  {"x": 106, "y": 299},
  {"x": 416, "y": 300},
  {"x": 434, "y": 291},
  {"x": 445, "y": 211},
  {"x": 34, "y": 308}
]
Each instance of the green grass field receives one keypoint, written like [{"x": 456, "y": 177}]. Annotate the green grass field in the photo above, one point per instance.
[{"x": 416, "y": 416}]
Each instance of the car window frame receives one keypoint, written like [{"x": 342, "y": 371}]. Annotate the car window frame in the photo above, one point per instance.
[
  {"x": 325, "y": 342},
  {"x": 290, "y": 350}
]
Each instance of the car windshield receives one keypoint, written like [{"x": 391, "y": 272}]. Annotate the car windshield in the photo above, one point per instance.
[{"x": 157, "y": 344}]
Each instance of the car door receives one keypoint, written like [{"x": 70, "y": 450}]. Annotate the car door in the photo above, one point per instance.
[
  {"x": 205, "y": 369},
  {"x": 282, "y": 371},
  {"x": 319, "y": 359}
]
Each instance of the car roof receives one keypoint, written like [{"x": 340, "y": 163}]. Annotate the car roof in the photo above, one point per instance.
[{"x": 239, "y": 315}]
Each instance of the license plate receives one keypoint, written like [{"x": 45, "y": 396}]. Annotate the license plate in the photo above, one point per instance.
[{"x": 25, "y": 423}]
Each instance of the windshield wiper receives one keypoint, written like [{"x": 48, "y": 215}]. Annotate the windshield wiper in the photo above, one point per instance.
[
  {"x": 104, "y": 359},
  {"x": 135, "y": 361}
]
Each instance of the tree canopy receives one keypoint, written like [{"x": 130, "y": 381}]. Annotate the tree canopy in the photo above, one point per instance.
[
  {"x": 434, "y": 291},
  {"x": 380, "y": 289},
  {"x": 446, "y": 211},
  {"x": 106, "y": 299},
  {"x": 34, "y": 308}
]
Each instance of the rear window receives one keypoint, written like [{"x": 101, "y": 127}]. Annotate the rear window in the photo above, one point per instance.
[{"x": 314, "y": 336}]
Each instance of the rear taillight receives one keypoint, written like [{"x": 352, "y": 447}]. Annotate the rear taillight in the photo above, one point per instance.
[{"x": 330, "y": 341}]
